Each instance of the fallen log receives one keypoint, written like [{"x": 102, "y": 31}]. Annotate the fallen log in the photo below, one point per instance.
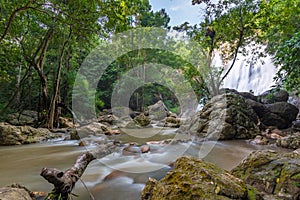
[{"x": 64, "y": 182}]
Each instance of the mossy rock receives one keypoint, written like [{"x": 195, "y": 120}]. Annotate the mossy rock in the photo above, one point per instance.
[
  {"x": 272, "y": 173},
  {"x": 195, "y": 179},
  {"x": 226, "y": 116}
]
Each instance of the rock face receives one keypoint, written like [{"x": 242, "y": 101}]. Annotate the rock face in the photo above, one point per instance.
[
  {"x": 15, "y": 135},
  {"x": 290, "y": 141},
  {"x": 272, "y": 173},
  {"x": 280, "y": 114},
  {"x": 271, "y": 107},
  {"x": 225, "y": 116},
  {"x": 14, "y": 193},
  {"x": 196, "y": 179}
]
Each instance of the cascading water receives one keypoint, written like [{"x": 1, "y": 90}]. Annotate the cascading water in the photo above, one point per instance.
[{"x": 256, "y": 77}]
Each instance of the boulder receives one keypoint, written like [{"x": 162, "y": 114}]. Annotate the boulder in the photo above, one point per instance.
[
  {"x": 15, "y": 192},
  {"x": 226, "y": 116},
  {"x": 290, "y": 141},
  {"x": 142, "y": 120},
  {"x": 93, "y": 128},
  {"x": 16, "y": 135},
  {"x": 107, "y": 118},
  {"x": 273, "y": 96},
  {"x": 26, "y": 117},
  {"x": 195, "y": 179},
  {"x": 66, "y": 122},
  {"x": 285, "y": 110},
  {"x": 272, "y": 173},
  {"x": 280, "y": 114},
  {"x": 171, "y": 122},
  {"x": 158, "y": 111}
]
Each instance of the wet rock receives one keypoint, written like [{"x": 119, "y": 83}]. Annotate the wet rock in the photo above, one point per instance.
[
  {"x": 74, "y": 135},
  {"x": 93, "y": 140},
  {"x": 107, "y": 118},
  {"x": 225, "y": 116},
  {"x": 93, "y": 128},
  {"x": 132, "y": 125},
  {"x": 273, "y": 96},
  {"x": 273, "y": 133},
  {"x": 15, "y": 192},
  {"x": 114, "y": 174},
  {"x": 82, "y": 144},
  {"x": 290, "y": 141},
  {"x": 259, "y": 140},
  {"x": 27, "y": 117},
  {"x": 145, "y": 148},
  {"x": 196, "y": 179},
  {"x": 280, "y": 114},
  {"x": 114, "y": 132},
  {"x": 142, "y": 120},
  {"x": 131, "y": 149},
  {"x": 171, "y": 122},
  {"x": 16, "y": 135},
  {"x": 158, "y": 111},
  {"x": 285, "y": 110},
  {"x": 272, "y": 173},
  {"x": 296, "y": 125},
  {"x": 66, "y": 122}
]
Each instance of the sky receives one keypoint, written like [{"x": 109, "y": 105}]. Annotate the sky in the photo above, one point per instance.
[{"x": 179, "y": 11}]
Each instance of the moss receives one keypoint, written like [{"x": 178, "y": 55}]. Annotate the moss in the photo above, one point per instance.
[
  {"x": 253, "y": 194},
  {"x": 196, "y": 179}
]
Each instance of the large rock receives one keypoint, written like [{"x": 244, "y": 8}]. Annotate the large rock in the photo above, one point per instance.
[
  {"x": 15, "y": 135},
  {"x": 107, "y": 118},
  {"x": 225, "y": 116},
  {"x": 272, "y": 173},
  {"x": 279, "y": 114},
  {"x": 26, "y": 117},
  {"x": 196, "y": 179},
  {"x": 271, "y": 107},
  {"x": 142, "y": 120},
  {"x": 273, "y": 96},
  {"x": 14, "y": 193},
  {"x": 158, "y": 111},
  {"x": 290, "y": 141},
  {"x": 94, "y": 128},
  {"x": 285, "y": 110}
]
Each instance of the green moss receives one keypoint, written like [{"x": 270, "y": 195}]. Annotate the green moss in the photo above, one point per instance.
[{"x": 252, "y": 193}]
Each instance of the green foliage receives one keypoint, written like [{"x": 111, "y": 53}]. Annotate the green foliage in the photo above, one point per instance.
[
  {"x": 230, "y": 25},
  {"x": 288, "y": 58}
]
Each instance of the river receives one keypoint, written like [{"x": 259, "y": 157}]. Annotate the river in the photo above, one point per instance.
[{"x": 116, "y": 176}]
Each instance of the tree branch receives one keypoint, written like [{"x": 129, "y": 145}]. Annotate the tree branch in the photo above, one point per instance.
[
  {"x": 12, "y": 17},
  {"x": 240, "y": 42},
  {"x": 64, "y": 182}
]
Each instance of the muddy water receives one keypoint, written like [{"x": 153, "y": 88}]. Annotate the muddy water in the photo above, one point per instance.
[{"x": 115, "y": 176}]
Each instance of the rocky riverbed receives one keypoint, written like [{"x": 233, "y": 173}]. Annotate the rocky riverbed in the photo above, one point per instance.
[{"x": 148, "y": 147}]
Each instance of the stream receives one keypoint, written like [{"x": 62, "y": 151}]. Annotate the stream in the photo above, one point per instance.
[{"x": 115, "y": 176}]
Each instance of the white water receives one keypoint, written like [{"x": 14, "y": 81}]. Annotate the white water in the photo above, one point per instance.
[{"x": 254, "y": 76}]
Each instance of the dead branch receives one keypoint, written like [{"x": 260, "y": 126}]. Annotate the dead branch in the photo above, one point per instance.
[{"x": 64, "y": 182}]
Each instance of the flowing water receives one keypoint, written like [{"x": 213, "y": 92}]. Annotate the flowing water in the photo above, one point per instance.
[
  {"x": 115, "y": 176},
  {"x": 248, "y": 74}
]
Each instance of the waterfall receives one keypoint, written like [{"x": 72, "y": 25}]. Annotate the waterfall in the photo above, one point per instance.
[{"x": 247, "y": 75}]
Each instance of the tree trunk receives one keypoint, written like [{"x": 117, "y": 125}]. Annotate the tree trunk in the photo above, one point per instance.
[
  {"x": 51, "y": 117},
  {"x": 64, "y": 182}
]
